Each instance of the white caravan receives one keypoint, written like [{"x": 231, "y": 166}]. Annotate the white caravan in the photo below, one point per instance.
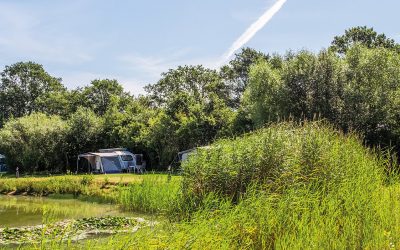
[{"x": 112, "y": 160}]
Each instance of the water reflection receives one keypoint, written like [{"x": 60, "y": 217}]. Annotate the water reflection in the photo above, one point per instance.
[{"x": 18, "y": 211}]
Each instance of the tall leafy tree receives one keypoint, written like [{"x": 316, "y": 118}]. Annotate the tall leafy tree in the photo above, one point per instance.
[
  {"x": 98, "y": 95},
  {"x": 196, "y": 81},
  {"x": 313, "y": 85},
  {"x": 357, "y": 91},
  {"x": 192, "y": 111},
  {"x": 236, "y": 73},
  {"x": 371, "y": 94},
  {"x": 21, "y": 86},
  {"x": 123, "y": 121},
  {"x": 85, "y": 133},
  {"x": 365, "y": 36},
  {"x": 264, "y": 96}
]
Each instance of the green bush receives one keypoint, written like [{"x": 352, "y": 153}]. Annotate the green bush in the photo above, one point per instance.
[
  {"x": 35, "y": 143},
  {"x": 281, "y": 157}
]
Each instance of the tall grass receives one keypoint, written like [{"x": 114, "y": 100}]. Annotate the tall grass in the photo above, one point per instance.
[
  {"x": 284, "y": 187},
  {"x": 283, "y": 157},
  {"x": 145, "y": 193},
  {"x": 151, "y": 195},
  {"x": 44, "y": 186}
]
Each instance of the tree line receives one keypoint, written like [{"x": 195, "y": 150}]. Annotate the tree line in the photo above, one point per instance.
[{"x": 354, "y": 84}]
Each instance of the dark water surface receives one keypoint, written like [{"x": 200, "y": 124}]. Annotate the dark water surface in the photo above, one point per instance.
[{"x": 16, "y": 211}]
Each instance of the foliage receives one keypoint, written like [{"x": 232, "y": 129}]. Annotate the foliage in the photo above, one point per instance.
[
  {"x": 264, "y": 97},
  {"x": 356, "y": 92},
  {"x": 35, "y": 142},
  {"x": 85, "y": 132},
  {"x": 195, "y": 81},
  {"x": 236, "y": 73},
  {"x": 193, "y": 111},
  {"x": 354, "y": 85},
  {"x": 124, "y": 123},
  {"x": 21, "y": 85},
  {"x": 365, "y": 36},
  {"x": 98, "y": 95}
]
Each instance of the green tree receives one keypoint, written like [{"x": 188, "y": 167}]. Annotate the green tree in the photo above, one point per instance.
[
  {"x": 357, "y": 91},
  {"x": 196, "y": 81},
  {"x": 85, "y": 133},
  {"x": 192, "y": 111},
  {"x": 35, "y": 143},
  {"x": 371, "y": 100},
  {"x": 264, "y": 94},
  {"x": 365, "y": 36},
  {"x": 124, "y": 120},
  {"x": 99, "y": 93},
  {"x": 236, "y": 73},
  {"x": 21, "y": 85},
  {"x": 62, "y": 103},
  {"x": 313, "y": 85}
]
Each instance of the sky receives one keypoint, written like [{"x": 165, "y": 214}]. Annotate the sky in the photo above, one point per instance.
[{"x": 135, "y": 41}]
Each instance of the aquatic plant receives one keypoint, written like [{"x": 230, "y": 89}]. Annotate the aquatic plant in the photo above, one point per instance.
[{"x": 69, "y": 229}]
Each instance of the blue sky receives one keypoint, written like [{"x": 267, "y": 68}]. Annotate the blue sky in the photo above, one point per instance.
[{"x": 134, "y": 41}]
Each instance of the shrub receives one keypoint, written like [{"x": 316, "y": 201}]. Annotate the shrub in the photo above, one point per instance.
[{"x": 34, "y": 142}]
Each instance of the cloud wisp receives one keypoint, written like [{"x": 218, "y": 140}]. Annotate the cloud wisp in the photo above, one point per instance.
[{"x": 252, "y": 30}]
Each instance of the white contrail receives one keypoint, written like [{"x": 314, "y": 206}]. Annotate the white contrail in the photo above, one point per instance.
[{"x": 252, "y": 30}]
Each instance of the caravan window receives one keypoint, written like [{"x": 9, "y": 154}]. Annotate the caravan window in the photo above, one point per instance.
[
  {"x": 2, "y": 160},
  {"x": 127, "y": 157},
  {"x": 111, "y": 164}
]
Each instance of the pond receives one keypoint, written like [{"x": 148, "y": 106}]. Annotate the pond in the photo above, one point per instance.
[{"x": 16, "y": 211}]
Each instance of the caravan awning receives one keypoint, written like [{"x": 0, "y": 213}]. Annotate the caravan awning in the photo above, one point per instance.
[
  {"x": 109, "y": 161},
  {"x": 105, "y": 154},
  {"x": 91, "y": 155}
]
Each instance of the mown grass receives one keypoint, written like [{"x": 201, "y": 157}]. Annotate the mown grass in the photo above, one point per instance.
[{"x": 287, "y": 186}]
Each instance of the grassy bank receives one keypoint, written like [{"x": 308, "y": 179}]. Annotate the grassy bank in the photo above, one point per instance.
[
  {"x": 284, "y": 187},
  {"x": 152, "y": 193}
]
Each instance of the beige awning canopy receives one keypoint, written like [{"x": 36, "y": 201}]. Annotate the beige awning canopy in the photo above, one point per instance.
[{"x": 91, "y": 157}]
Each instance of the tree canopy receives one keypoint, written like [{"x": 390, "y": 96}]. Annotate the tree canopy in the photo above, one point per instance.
[
  {"x": 22, "y": 85},
  {"x": 354, "y": 84},
  {"x": 365, "y": 36}
]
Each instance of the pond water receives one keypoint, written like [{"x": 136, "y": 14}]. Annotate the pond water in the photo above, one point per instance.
[{"x": 16, "y": 211}]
